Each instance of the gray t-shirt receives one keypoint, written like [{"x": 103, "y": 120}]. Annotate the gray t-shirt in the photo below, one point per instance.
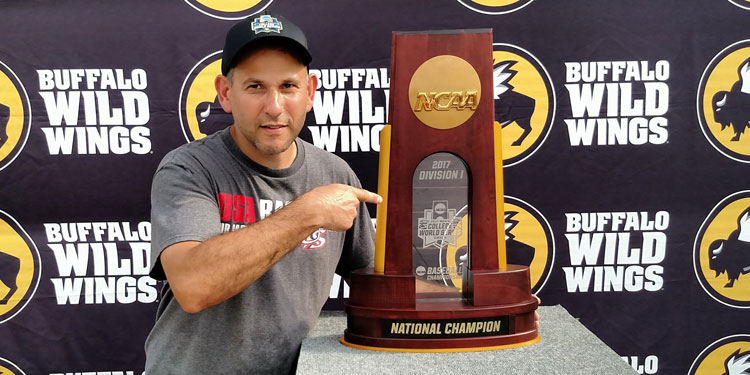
[{"x": 209, "y": 187}]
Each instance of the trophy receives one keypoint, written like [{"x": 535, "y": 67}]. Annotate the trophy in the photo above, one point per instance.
[{"x": 440, "y": 281}]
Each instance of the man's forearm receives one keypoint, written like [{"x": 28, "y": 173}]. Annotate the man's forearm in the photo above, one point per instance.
[{"x": 203, "y": 274}]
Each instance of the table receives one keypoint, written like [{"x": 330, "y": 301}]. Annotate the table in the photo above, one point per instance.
[{"x": 566, "y": 347}]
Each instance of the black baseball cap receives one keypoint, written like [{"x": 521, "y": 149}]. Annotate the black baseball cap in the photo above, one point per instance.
[{"x": 267, "y": 28}]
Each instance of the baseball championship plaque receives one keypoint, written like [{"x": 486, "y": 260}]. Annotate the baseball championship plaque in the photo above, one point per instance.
[{"x": 441, "y": 281}]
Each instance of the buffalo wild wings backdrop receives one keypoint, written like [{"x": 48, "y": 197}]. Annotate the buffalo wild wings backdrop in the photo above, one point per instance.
[{"x": 627, "y": 163}]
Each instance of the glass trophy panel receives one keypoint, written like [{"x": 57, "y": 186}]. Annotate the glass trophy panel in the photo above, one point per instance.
[{"x": 440, "y": 225}]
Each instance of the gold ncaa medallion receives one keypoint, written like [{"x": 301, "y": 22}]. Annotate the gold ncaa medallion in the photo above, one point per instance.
[{"x": 444, "y": 92}]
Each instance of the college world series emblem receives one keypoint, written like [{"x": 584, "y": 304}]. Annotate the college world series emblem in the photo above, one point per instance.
[
  {"x": 728, "y": 356},
  {"x": 267, "y": 24},
  {"x": 723, "y": 102},
  {"x": 200, "y": 111},
  {"x": 438, "y": 227},
  {"x": 721, "y": 254},
  {"x": 15, "y": 116},
  {"x": 229, "y": 9},
  {"x": 20, "y": 268},
  {"x": 524, "y": 101}
]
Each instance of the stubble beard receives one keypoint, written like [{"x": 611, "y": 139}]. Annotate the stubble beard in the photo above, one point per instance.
[{"x": 270, "y": 150}]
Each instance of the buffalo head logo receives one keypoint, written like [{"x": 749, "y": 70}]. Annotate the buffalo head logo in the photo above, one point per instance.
[
  {"x": 737, "y": 363},
  {"x": 4, "y": 118},
  {"x": 510, "y": 106},
  {"x": 10, "y": 267},
  {"x": 229, "y": 9},
  {"x": 528, "y": 242},
  {"x": 733, "y": 107},
  {"x": 732, "y": 255},
  {"x": 517, "y": 252},
  {"x": 211, "y": 117}
]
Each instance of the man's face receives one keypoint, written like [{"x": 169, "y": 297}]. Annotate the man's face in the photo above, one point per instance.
[{"x": 269, "y": 96}]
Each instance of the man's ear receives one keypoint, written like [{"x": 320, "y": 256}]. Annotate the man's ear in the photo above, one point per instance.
[
  {"x": 222, "y": 90},
  {"x": 312, "y": 85}
]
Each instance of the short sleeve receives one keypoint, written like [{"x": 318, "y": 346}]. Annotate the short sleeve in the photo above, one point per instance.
[
  {"x": 183, "y": 208},
  {"x": 359, "y": 243}
]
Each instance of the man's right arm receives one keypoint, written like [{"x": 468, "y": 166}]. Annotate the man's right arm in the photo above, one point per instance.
[{"x": 203, "y": 274}]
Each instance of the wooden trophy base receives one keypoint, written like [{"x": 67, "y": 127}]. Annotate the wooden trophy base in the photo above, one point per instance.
[{"x": 383, "y": 313}]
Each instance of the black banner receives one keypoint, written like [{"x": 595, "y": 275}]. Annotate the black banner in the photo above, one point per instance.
[{"x": 627, "y": 175}]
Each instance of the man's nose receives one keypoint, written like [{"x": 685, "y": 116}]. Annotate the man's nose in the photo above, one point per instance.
[{"x": 273, "y": 103}]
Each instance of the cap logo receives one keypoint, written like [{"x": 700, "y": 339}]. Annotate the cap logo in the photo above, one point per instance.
[{"x": 266, "y": 24}]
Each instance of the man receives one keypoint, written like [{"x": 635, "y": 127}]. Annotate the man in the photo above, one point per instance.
[{"x": 240, "y": 301}]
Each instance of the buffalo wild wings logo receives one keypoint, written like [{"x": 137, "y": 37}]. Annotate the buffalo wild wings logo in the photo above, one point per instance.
[
  {"x": 617, "y": 103},
  {"x": 20, "y": 268},
  {"x": 721, "y": 253},
  {"x": 727, "y": 356},
  {"x": 9, "y": 368},
  {"x": 101, "y": 262},
  {"x": 229, "y": 9},
  {"x": 616, "y": 252},
  {"x": 524, "y": 101},
  {"x": 738, "y": 363},
  {"x": 744, "y": 4},
  {"x": 200, "y": 111},
  {"x": 349, "y": 110},
  {"x": 723, "y": 102},
  {"x": 15, "y": 116},
  {"x": 95, "y": 111},
  {"x": 528, "y": 241},
  {"x": 495, "y": 6}
]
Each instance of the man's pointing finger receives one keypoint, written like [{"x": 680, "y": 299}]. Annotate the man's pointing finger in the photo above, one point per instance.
[{"x": 367, "y": 196}]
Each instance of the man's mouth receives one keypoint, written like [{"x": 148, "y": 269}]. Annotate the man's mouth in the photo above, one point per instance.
[{"x": 273, "y": 126}]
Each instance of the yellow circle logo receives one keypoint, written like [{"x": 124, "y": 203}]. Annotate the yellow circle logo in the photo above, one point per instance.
[
  {"x": 744, "y": 4},
  {"x": 729, "y": 355},
  {"x": 724, "y": 102},
  {"x": 495, "y": 6},
  {"x": 15, "y": 116},
  {"x": 229, "y": 9},
  {"x": 200, "y": 111},
  {"x": 528, "y": 242},
  {"x": 524, "y": 101},
  {"x": 9, "y": 368},
  {"x": 721, "y": 254},
  {"x": 20, "y": 268},
  {"x": 444, "y": 92}
]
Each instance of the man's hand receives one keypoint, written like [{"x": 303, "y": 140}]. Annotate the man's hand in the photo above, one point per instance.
[
  {"x": 536, "y": 314},
  {"x": 335, "y": 206}
]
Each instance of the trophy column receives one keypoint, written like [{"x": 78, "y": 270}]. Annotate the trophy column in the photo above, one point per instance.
[{"x": 441, "y": 113}]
